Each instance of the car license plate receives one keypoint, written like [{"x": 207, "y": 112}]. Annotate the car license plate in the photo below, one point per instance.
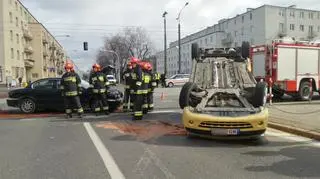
[{"x": 225, "y": 131}]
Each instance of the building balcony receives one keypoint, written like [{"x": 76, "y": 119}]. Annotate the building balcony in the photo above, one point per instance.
[
  {"x": 28, "y": 49},
  {"x": 52, "y": 46},
  {"x": 28, "y": 62},
  {"x": 45, "y": 39},
  {"x": 27, "y": 34},
  {"x": 45, "y": 53}
]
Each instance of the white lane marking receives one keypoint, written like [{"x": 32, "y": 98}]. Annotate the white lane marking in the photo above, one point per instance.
[
  {"x": 292, "y": 137},
  {"x": 107, "y": 158}
]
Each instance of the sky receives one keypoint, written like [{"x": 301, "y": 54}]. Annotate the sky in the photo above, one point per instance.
[{"x": 92, "y": 20}]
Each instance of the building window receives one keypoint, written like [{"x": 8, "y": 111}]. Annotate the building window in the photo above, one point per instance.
[
  {"x": 252, "y": 41},
  {"x": 200, "y": 42},
  {"x": 281, "y": 27},
  {"x": 22, "y": 55},
  {"x": 318, "y": 15},
  {"x": 34, "y": 75},
  {"x": 206, "y": 41},
  {"x": 310, "y": 15},
  {"x": 25, "y": 15},
  {"x": 318, "y": 28},
  {"x": 211, "y": 39},
  {"x": 18, "y": 39},
  {"x": 22, "y": 24},
  {"x": 250, "y": 16},
  {"x": 21, "y": 11},
  {"x": 236, "y": 44},
  {"x": 12, "y": 53},
  {"x": 235, "y": 33},
  {"x": 18, "y": 55},
  {"x": 235, "y": 21},
  {"x": 11, "y": 35},
  {"x": 17, "y": 22},
  {"x": 242, "y": 31},
  {"x": 251, "y": 28},
  {"x": 10, "y": 2},
  {"x": 281, "y": 12},
  {"x": 291, "y": 26},
  {"x": 242, "y": 19},
  {"x": 10, "y": 16},
  {"x": 292, "y": 13},
  {"x": 16, "y": 6},
  {"x": 310, "y": 28},
  {"x": 301, "y": 15},
  {"x": 302, "y": 28}
]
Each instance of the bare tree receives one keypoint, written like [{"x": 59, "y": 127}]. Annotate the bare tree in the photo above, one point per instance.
[{"x": 130, "y": 42}]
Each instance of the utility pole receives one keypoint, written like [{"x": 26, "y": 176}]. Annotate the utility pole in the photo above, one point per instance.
[
  {"x": 165, "y": 42},
  {"x": 179, "y": 36}
]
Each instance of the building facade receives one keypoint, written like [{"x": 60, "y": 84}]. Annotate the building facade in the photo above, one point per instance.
[
  {"x": 257, "y": 26},
  {"x": 22, "y": 49}
]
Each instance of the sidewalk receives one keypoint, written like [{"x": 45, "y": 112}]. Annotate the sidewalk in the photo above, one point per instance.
[{"x": 302, "y": 118}]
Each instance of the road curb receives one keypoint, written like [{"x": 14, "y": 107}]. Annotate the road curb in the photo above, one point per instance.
[{"x": 294, "y": 130}]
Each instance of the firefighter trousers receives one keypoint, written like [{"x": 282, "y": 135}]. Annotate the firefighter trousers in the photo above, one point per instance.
[
  {"x": 150, "y": 100},
  {"x": 126, "y": 98},
  {"x": 137, "y": 106},
  {"x": 98, "y": 100},
  {"x": 72, "y": 102},
  {"x": 132, "y": 97}
]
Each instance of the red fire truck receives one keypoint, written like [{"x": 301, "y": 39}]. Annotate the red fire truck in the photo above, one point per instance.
[{"x": 293, "y": 68}]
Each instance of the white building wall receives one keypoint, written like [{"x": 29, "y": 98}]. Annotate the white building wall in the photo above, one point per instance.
[{"x": 258, "y": 26}]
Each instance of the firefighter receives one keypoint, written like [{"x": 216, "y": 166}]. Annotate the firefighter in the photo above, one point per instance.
[
  {"x": 145, "y": 86},
  {"x": 136, "y": 89},
  {"x": 71, "y": 89},
  {"x": 127, "y": 81},
  {"x": 98, "y": 81},
  {"x": 152, "y": 86}
]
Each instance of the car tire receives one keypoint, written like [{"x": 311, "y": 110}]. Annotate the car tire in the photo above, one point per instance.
[
  {"x": 245, "y": 49},
  {"x": 27, "y": 105},
  {"x": 184, "y": 98},
  {"x": 260, "y": 95},
  {"x": 170, "y": 85},
  {"x": 304, "y": 91},
  {"x": 195, "y": 51}
]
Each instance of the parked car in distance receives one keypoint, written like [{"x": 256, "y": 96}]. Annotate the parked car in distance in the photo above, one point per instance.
[
  {"x": 112, "y": 79},
  {"x": 177, "y": 80},
  {"x": 45, "y": 94}
]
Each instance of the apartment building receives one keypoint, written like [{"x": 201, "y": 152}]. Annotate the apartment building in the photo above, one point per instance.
[
  {"x": 257, "y": 25},
  {"x": 22, "y": 49}
]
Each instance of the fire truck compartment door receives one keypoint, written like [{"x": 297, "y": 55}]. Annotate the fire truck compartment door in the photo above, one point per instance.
[
  {"x": 286, "y": 63},
  {"x": 259, "y": 64}
]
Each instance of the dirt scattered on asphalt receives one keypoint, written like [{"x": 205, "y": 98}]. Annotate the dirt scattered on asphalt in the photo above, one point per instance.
[{"x": 145, "y": 130}]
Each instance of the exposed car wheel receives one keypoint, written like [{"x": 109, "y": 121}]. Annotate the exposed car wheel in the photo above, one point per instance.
[
  {"x": 260, "y": 95},
  {"x": 27, "y": 106},
  {"x": 304, "y": 91},
  {"x": 195, "y": 51},
  {"x": 245, "y": 49},
  {"x": 170, "y": 85},
  {"x": 185, "y": 99}
]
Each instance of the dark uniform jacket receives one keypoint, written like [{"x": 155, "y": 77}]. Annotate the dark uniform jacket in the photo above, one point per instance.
[
  {"x": 70, "y": 84},
  {"x": 98, "y": 81}
]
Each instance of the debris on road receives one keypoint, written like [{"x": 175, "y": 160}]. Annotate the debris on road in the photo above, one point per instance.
[{"x": 145, "y": 130}]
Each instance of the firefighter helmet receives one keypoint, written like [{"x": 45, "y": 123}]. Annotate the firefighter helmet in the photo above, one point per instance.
[
  {"x": 134, "y": 60},
  {"x": 69, "y": 66},
  {"x": 97, "y": 66}
]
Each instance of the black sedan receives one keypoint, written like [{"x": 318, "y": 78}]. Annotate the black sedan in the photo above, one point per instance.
[{"x": 44, "y": 94}]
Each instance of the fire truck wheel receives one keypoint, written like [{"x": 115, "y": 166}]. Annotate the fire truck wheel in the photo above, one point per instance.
[
  {"x": 195, "y": 51},
  {"x": 304, "y": 91},
  {"x": 260, "y": 95}
]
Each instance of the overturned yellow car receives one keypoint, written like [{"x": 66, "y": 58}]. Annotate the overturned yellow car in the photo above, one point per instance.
[{"x": 222, "y": 98}]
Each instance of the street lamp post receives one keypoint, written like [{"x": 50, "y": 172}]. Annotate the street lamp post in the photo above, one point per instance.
[
  {"x": 111, "y": 51},
  {"x": 165, "y": 42},
  {"x": 179, "y": 35}
]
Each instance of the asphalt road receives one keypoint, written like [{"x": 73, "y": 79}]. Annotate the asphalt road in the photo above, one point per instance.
[{"x": 116, "y": 147}]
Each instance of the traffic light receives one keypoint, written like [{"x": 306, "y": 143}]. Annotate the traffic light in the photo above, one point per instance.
[{"x": 85, "y": 46}]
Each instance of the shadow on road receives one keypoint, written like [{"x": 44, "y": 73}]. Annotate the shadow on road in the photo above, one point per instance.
[{"x": 301, "y": 162}]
